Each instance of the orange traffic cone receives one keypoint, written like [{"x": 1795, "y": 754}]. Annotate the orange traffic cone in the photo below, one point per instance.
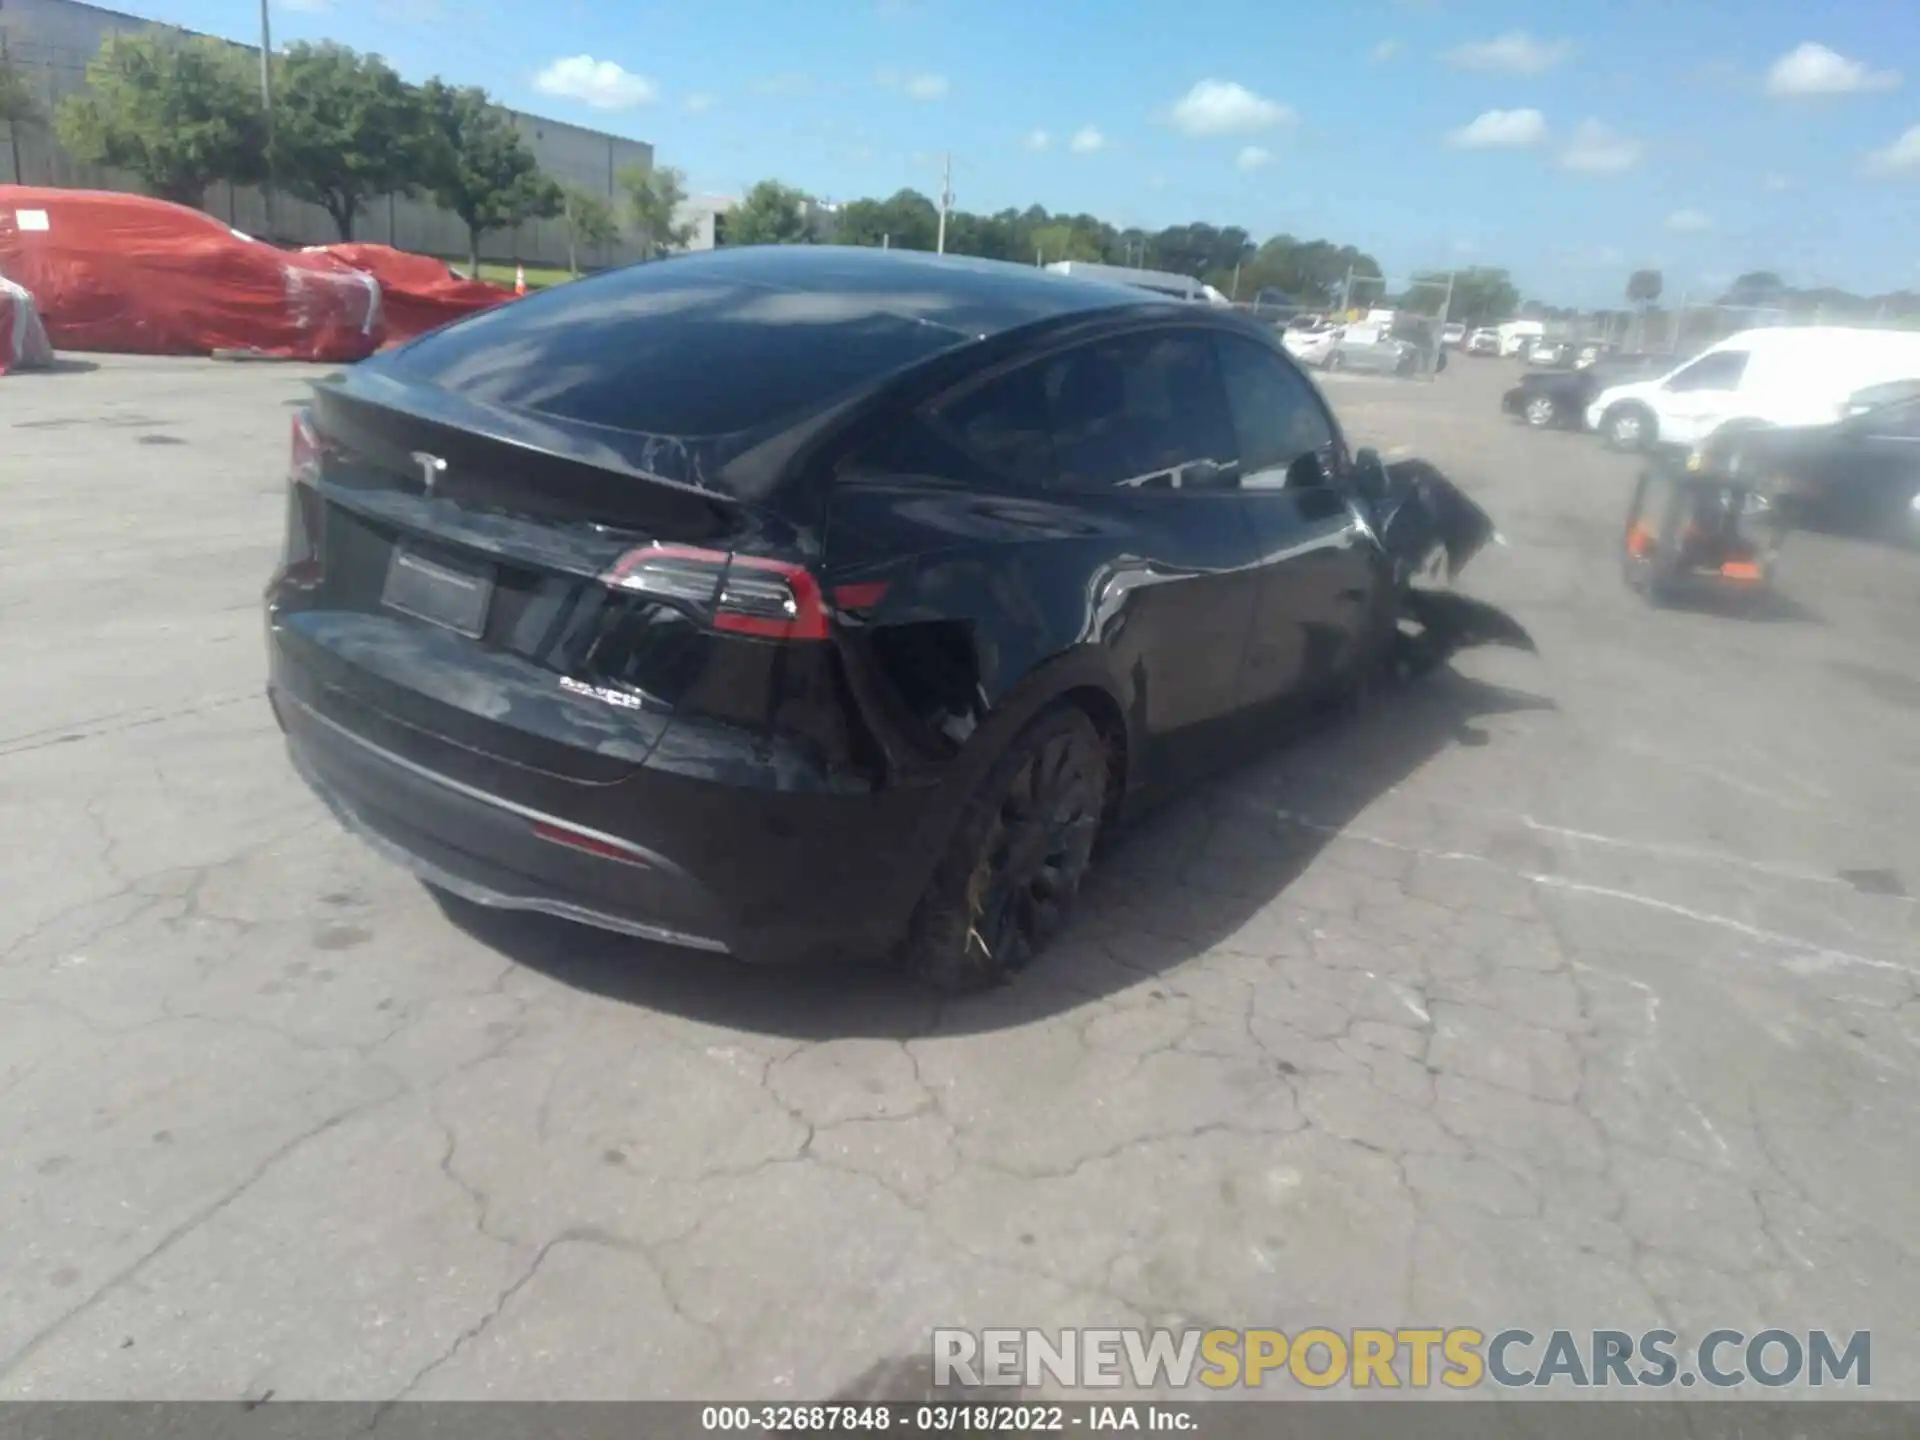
[{"x": 519, "y": 279}]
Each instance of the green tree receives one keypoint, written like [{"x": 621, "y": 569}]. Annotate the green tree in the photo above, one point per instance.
[
  {"x": 769, "y": 214},
  {"x": 1064, "y": 240},
  {"x": 481, "y": 168},
  {"x": 906, "y": 221},
  {"x": 179, "y": 112},
  {"x": 1482, "y": 295},
  {"x": 346, "y": 129},
  {"x": 1644, "y": 287},
  {"x": 589, "y": 220},
  {"x": 17, "y": 107},
  {"x": 1756, "y": 289},
  {"x": 654, "y": 198}
]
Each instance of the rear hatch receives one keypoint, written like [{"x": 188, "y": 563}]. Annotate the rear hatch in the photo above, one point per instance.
[{"x": 545, "y": 533}]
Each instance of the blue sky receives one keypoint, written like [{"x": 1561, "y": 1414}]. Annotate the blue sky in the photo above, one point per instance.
[{"x": 1568, "y": 142}]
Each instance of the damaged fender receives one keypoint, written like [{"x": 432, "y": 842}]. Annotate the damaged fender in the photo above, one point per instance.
[{"x": 1420, "y": 518}]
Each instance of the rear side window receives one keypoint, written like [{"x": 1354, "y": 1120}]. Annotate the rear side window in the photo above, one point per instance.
[
  {"x": 655, "y": 354},
  {"x": 1719, "y": 371},
  {"x": 1130, "y": 412},
  {"x": 1899, "y": 421},
  {"x": 1276, "y": 415}
]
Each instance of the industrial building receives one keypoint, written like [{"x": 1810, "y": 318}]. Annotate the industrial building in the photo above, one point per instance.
[{"x": 51, "y": 41}]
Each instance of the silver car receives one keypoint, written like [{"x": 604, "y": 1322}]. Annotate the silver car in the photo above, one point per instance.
[{"x": 1370, "y": 348}]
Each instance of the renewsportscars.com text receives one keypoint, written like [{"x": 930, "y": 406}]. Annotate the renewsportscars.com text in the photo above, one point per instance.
[{"x": 1460, "y": 1358}]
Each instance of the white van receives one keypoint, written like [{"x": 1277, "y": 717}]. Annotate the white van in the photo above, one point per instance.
[
  {"x": 1517, "y": 336},
  {"x": 1788, "y": 375}
]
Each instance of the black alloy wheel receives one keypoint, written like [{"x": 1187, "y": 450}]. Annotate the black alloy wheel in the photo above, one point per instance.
[{"x": 1023, "y": 846}]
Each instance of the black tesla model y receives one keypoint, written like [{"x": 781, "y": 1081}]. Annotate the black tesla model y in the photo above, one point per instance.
[{"x": 800, "y": 601}]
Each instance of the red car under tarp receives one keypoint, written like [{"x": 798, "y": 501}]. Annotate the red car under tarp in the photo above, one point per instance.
[
  {"x": 417, "y": 292},
  {"x": 128, "y": 273},
  {"x": 23, "y": 339}
]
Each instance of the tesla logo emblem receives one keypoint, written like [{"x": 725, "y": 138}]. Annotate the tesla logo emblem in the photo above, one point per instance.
[{"x": 432, "y": 467}]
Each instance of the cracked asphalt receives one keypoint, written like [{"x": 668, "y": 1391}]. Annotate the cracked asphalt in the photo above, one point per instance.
[{"x": 1562, "y": 991}]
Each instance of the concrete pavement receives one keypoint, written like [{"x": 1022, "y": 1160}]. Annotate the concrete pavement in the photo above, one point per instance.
[{"x": 1574, "y": 991}]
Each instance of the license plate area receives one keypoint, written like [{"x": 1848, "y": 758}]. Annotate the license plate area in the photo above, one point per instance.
[{"x": 440, "y": 588}]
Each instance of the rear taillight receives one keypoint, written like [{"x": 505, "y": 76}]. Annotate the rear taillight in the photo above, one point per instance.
[
  {"x": 304, "y": 464},
  {"x": 739, "y": 594},
  {"x": 300, "y": 561}
]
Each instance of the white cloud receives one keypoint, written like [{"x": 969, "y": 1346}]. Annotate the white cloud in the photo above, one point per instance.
[
  {"x": 1899, "y": 158},
  {"x": 1776, "y": 182},
  {"x": 698, "y": 103},
  {"x": 1086, "y": 140},
  {"x": 1596, "y": 150},
  {"x": 1501, "y": 130},
  {"x": 1039, "y": 140},
  {"x": 1464, "y": 247},
  {"x": 1811, "y": 69},
  {"x": 913, "y": 86},
  {"x": 599, "y": 83},
  {"x": 787, "y": 83},
  {"x": 1222, "y": 107},
  {"x": 1516, "y": 51},
  {"x": 1387, "y": 49},
  {"x": 1689, "y": 222},
  {"x": 1253, "y": 157},
  {"x": 1158, "y": 182}
]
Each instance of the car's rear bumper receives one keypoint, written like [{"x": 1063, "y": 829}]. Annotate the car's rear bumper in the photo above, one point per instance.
[
  {"x": 666, "y": 851},
  {"x": 492, "y": 851}
]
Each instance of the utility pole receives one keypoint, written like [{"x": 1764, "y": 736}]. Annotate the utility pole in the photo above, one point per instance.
[
  {"x": 946, "y": 204},
  {"x": 1346, "y": 292},
  {"x": 266, "y": 107},
  {"x": 1236, "y": 281},
  {"x": 1440, "y": 330}
]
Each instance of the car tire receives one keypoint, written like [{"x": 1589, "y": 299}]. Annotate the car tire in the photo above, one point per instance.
[
  {"x": 1023, "y": 845},
  {"x": 1628, "y": 427},
  {"x": 1541, "y": 413},
  {"x": 1656, "y": 510}
]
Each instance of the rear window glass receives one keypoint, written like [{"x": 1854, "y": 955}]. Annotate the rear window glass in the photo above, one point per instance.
[{"x": 665, "y": 356}]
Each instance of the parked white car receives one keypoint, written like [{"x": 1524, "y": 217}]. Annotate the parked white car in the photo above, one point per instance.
[
  {"x": 1787, "y": 375},
  {"x": 1311, "y": 347}
]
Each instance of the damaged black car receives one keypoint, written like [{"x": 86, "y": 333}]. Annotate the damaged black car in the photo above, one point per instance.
[{"x": 800, "y": 601}]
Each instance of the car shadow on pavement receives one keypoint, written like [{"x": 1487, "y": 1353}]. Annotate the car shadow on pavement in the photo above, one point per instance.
[
  {"x": 61, "y": 365},
  {"x": 1768, "y": 607},
  {"x": 1175, "y": 885}
]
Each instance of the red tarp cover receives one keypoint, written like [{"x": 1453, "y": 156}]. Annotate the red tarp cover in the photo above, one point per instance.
[
  {"x": 128, "y": 273},
  {"x": 417, "y": 292},
  {"x": 23, "y": 340}
]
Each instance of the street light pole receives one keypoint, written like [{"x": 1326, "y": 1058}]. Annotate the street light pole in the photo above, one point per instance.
[
  {"x": 946, "y": 203},
  {"x": 266, "y": 107}
]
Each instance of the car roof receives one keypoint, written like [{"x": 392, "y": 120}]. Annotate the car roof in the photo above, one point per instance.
[{"x": 973, "y": 297}]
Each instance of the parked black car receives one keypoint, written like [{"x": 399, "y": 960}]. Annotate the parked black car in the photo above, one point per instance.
[
  {"x": 791, "y": 601},
  {"x": 1860, "y": 476},
  {"x": 1548, "y": 399}
]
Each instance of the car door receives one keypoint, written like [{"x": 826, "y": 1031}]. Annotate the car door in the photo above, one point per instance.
[
  {"x": 1695, "y": 399},
  {"x": 1887, "y": 457},
  {"x": 1319, "y": 586},
  {"x": 1134, "y": 430}
]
